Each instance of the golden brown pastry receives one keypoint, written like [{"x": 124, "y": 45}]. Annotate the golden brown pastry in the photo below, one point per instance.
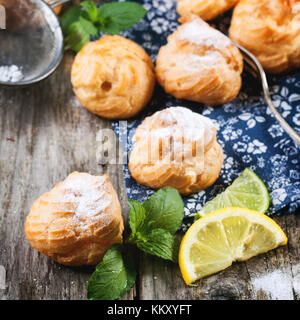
[
  {"x": 205, "y": 9},
  {"x": 113, "y": 77},
  {"x": 77, "y": 221},
  {"x": 199, "y": 63},
  {"x": 270, "y": 29},
  {"x": 176, "y": 147}
]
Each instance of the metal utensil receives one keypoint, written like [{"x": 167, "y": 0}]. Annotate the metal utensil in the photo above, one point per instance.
[
  {"x": 255, "y": 65},
  {"x": 32, "y": 43}
]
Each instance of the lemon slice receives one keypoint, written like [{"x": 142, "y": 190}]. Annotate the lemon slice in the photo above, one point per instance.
[
  {"x": 246, "y": 191},
  {"x": 213, "y": 242}
]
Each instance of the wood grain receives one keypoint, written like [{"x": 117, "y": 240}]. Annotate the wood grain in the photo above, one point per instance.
[
  {"x": 44, "y": 135},
  {"x": 271, "y": 276}
]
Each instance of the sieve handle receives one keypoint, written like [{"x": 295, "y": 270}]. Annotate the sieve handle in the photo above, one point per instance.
[{"x": 56, "y": 3}]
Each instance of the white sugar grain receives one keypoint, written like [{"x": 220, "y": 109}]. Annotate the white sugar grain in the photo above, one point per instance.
[
  {"x": 11, "y": 73},
  {"x": 87, "y": 194},
  {"x": 277, "y": 284},
  {"x": 201, "y": 33},
  {"x": 182, "y": 121}
]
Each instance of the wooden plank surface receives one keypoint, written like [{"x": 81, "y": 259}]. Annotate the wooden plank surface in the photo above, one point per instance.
[
  {"x": 45, "y": 135},
  {"x": 271, "y": 276}
]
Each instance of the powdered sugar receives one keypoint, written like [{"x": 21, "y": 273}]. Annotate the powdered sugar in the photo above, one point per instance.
[
  {"x": 182, "y": 121},
  {"x": 200, "y": 33},
  {"x": 86, "y": 193},
  {"x": 276, "y": 284},
  {"x": 10, "y": 73},
  {"x": 193, "y": 62},
  {"x": 295, "y": 8}
]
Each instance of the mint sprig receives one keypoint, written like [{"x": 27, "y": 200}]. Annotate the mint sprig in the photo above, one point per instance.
[
  {"x": 160, "y": 243},
  {"x": 80, "y": 23},
  {"x": 113, "y": 277},
  {"x": 165, "y": 210},
  {"x": 153, "y": 225}
]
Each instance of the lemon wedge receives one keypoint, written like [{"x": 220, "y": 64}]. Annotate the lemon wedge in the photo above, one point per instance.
[
  {"x": 246, "y": 191},
  {"x": 218, "y": 239}
]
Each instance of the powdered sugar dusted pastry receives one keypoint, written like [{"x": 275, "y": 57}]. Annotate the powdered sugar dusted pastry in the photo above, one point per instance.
[
  {"x": 205, "y": 9},
  {"x": 77, "y": 221},
  {"x": 199, "y": 63},
  {"x": 113, "y": 77},
  {"x": 270, "y": 29},
  {"x": 176, "y": 147}
]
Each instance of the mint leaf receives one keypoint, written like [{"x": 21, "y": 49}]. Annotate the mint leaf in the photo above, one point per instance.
[
  {"x": 109, "y": 26},
  {"x": 160, "y": 243},
  {"x": 79, "y": 23},
  {"x": 122, "y": 15},
  {"x": 77, "y": 37},
  {"x": 70, "y": 16},
  {"x": 154, "y": 223},
  {"x": 79, "y": 33},
  {"x": 113, "y": 277},
  {"x": 88, "y": 26},
  {"x": 137, "y": 216},
  {"x": 164, "y": 210},
  {"x": 90, "y": 11}
]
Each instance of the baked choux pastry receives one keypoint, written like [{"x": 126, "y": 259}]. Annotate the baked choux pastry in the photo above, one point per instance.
[
  {"x": 205, "y": 9},
  {"x": 77, "y": 221},
  {"x": 177, "y": 148},
  {"x": 113, "y": 77},
  {"x": 199, "y": 63},
  {"x": 270, "y": 29}
]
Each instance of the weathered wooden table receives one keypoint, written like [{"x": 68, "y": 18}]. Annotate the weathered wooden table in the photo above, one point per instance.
[{"x": 44, "y": 135}]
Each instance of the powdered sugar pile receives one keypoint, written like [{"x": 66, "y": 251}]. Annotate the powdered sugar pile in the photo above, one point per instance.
[
  {"x": 87, "y": 193},
  {"x": 276, "y": 283},
  {"x": 193, "y": 63},
  {"x": 181, "y": 121},
  {"x": 200, "y": 33},
  {"x": 213, "y": 41},
  {"x": 10, "y": 73}
]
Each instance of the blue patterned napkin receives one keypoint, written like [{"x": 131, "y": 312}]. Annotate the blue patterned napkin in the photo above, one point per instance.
[{"x": 248, "y": 133}]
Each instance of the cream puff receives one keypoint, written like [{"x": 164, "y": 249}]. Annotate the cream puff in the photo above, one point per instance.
[
  {"x": 77, "y": 221},
  {"x": 205, "y": 9},
  {"x": 113, "y": 77},
  {"x": 270, "y": 29},
  {"x": 199, "y": 63},
  {"x": 176, "y": 147}
]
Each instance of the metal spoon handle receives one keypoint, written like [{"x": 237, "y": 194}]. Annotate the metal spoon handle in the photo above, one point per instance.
[
  {"x": 257, "y": 67},
  {"x": 56, "y": 3}
]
